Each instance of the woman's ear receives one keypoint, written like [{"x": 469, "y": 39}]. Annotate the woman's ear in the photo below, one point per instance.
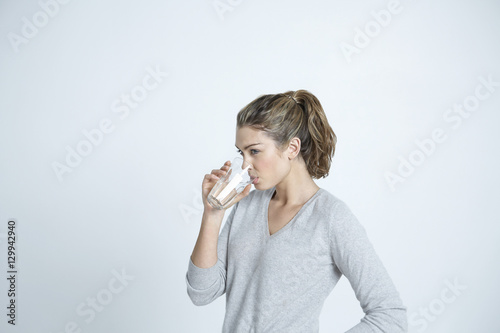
[{"x": 293, "y": 148}]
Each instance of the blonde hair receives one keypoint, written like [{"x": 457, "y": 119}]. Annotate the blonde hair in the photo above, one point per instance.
[{"x": 294, "y": 114}]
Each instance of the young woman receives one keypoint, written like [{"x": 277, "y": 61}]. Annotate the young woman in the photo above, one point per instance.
[{"x": 285, "y": 245}]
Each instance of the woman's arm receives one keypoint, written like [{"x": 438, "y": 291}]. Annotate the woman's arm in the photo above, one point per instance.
[
  {"x": 205, "y": 250},
  {"x": 356, "y": 258},
  {"x": 206, "y": 274}
]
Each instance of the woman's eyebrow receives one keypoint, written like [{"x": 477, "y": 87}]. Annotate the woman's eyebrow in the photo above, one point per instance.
[{"x": 253, "y": 144}]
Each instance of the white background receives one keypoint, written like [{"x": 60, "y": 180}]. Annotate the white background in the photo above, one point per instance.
[{"x": 133, "y": 203}]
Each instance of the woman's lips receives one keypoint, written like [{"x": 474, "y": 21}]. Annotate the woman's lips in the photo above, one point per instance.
[{"x": 255, "y": 180}]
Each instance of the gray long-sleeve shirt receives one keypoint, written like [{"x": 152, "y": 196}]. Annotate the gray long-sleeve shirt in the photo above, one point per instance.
[{"x": 278, "y": 283}]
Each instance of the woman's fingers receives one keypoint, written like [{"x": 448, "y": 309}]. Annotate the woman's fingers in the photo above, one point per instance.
[
  {"x": 247, "y": 189},
  {"x": 211, "y": 177},
  {"x": 240, "y": 196},
  {"x": 219, "y": 173},
  {"x": 243, "y": 194},
  {"x": 215, "y": 175}
]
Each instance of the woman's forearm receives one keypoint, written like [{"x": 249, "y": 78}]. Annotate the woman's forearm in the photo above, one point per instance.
[{"x": 205, "y": 250}]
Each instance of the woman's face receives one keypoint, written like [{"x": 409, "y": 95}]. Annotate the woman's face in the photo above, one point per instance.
[{"x": 270, "y": 166}]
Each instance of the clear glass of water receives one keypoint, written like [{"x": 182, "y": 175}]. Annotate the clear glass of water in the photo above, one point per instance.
[{"x": 231, "y": 184}]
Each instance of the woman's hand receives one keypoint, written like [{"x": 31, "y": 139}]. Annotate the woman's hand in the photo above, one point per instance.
[{"x": 209, "y": 182}]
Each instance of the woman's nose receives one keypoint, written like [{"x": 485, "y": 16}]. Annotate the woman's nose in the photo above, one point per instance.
[{"x": 247, "y": 163}]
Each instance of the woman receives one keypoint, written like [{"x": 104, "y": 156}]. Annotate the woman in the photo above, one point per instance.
[{"x": 284, "y": 247}]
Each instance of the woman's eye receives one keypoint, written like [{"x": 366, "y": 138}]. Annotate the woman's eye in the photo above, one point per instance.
[{"x": 253, "y": 151}]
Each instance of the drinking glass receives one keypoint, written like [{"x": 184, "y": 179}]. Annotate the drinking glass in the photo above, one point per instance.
[{"x": 231, "y": 184}]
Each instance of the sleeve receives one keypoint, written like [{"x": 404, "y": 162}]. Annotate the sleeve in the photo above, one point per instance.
[
  {"x": 355, "y": 256},
  {"x": 204, "y": 285}
]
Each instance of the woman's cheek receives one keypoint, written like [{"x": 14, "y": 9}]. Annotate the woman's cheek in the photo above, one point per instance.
[{"x": 263, "y": 166}]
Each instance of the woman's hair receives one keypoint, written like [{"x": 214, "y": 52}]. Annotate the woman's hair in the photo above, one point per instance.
[{"x": 294, "y": 114}]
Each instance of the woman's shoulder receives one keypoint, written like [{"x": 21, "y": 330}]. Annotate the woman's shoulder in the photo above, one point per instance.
[
  {"x": 329, "y": 199},
  {"x": 333, "y": 206}
]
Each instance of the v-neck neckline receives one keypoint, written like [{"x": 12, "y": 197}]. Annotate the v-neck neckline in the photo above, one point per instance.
[{"x": 286, "y": 226}]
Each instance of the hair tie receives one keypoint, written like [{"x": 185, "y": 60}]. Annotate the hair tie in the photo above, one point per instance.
[{"x": 292, "y": 98}]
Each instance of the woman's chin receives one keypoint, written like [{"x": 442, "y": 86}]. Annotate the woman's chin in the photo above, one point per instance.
[{"x": 261, "y": 187}]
